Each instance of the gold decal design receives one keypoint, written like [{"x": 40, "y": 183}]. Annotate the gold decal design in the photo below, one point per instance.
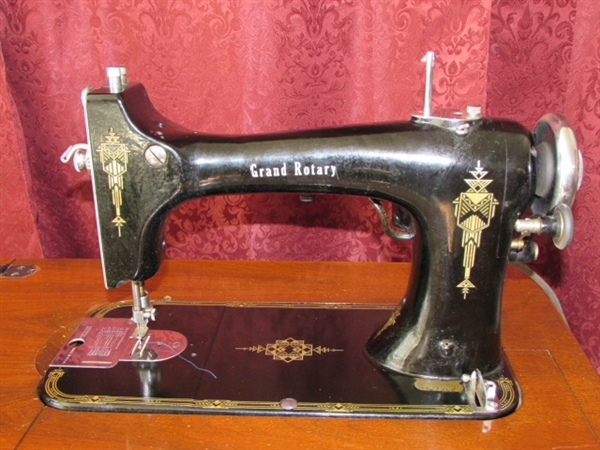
[
  {"x": 474, "y": 210},
  {"x": 167, "y": 404},
  {"x": 392, "y": 319},
  {"x": 114, "y": 156},
  {"x": 509, "y": 395},
  {"x": 288, "y": 350}
]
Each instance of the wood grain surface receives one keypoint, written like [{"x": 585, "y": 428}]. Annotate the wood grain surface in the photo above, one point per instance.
[{"x": 561, "y": 391}]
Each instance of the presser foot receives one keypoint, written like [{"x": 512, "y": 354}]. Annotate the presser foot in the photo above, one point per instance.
[
  {"x": 142, "y": 310},
  {"x": 101, "y": 343}
]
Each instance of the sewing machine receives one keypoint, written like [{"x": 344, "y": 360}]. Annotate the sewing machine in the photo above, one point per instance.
[{"x": 459, "y": 183}]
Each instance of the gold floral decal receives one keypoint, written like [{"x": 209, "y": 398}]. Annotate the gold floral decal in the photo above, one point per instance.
[
  {"x": 474, "y": 209},
  {"x": 288, "y": 350},
  {"x": 114, "y": 156}
]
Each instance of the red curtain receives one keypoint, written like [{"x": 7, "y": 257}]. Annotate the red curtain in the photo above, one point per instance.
[
  {"x": 545, "y": 56},
  {"x": 250, "y": 66}
]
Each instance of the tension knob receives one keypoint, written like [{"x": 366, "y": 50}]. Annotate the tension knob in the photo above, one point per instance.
[{"x": 80, "y": 155}]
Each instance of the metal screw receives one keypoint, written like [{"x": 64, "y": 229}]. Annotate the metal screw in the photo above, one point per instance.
[
  {"x": 156, "y": 156},
  {"x": 447, "y": 347},
  {"x": 288, "y": 404},
  {"x": 115, "y": 80},
  {"x": 307, "y": 198},
  {"x": 474, "y": 112}
]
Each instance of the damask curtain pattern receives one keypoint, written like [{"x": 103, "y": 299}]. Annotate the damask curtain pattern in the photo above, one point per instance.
[
  {"x": 253, "y": 66},
  {"x": 545, "y": 56},
  {"x": 19, "y": 234}
]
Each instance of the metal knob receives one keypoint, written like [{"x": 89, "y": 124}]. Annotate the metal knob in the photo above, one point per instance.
[
  {"x": 117, "y": 79},
  {"x": 80, "y": 154},
  {"x": 565, "y": 228},
  {"x": 558, "y": 163},
  {"x": 473, "y": 112},
  {"x": 559, "y": 225}
]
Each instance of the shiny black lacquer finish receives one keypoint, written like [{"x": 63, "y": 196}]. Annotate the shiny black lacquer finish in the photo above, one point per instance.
[{"x": 437, "y": 330}]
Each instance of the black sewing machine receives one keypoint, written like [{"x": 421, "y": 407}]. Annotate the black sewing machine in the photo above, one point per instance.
[{"x": 459, "y": 184}]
